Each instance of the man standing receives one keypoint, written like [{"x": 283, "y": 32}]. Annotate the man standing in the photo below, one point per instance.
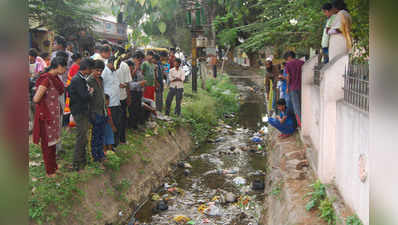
[
  {"x": 213, "y": 64},
  {"x": 97, "y": 111},
  {"x": 80, "y": 94},
  {"x": 60, "y": 45},
  {"x": 112, "y": 88},
  {"x": 123, "y": 74},
  {"x": 293, "y": 81},
  {"x": 172, "y": 58},
  {"x": 148, "y": 69},
  {"x": 328, "y": 11},
  {"x": 136, "y": 88},
  {"x": 159, "y": 82},
  {"x": 177, "y": 77},
  {"x": 105, "y": 53}
]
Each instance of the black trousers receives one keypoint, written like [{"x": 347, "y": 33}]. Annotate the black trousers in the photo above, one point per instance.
[
  {"x": 116, "y": 115},
  {"x": 135, "y": 110},
  {"x": 178, "y": 93},
  {"x": 123, "y": 120},
  {"x": 215, "y": 71}
]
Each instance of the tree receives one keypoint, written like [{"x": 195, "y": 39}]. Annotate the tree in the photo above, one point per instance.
[
  {"x": 284, "y": 24},
  {"x": 65, "y": 17}
]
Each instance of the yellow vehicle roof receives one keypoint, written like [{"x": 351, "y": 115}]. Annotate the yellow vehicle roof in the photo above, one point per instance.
[{"x": 157, "y": 49}]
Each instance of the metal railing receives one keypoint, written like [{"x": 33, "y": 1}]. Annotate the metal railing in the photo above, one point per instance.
[
  {"x": 317, "y": 71},
  {"x": 356, "y": 86}
]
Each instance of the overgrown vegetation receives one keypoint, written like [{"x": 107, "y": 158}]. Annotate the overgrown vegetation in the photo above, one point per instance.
[
  {"x": 327, "y": 211},
  {"x": 317, "y": 195},
  {"x": 53, "y": 197},
  {"x": 353, "y": 220},
  {"x": 320, "y": 201}
]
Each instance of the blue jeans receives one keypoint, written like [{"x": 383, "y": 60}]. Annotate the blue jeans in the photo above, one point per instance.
[
  {"x": 288, "y": 127},
  {"x": 97, "y": 139},
  {"x": 295, "y": 98},
  {"x": 325, "y": 52}
]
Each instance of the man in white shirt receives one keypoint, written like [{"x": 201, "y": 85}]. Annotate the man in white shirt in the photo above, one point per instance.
[
  {"x": 124, "y": 76},
  {"x": 112, "y": 88},
  {"x": 177, "y": 77}
]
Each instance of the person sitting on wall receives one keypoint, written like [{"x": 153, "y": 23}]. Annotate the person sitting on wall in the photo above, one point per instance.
[{"x": 284, "y": 122}]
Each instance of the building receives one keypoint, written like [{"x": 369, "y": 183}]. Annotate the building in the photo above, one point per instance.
[{"x": 108, "y": 28}]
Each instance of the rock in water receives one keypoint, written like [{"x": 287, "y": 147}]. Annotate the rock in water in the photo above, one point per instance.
[
  {"x": 232, "y": 148},
  {"x": 258, "y": 185}
]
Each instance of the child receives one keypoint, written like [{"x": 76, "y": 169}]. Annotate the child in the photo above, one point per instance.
[
  {"x": 110, "y": 128},
  {"x": 285, "y": 121}
]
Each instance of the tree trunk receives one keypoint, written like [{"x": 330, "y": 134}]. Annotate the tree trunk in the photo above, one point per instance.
[{"x": 253, "y": 57}]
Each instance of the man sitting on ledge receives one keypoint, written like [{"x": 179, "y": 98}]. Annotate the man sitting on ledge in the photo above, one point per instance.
[{"x": 284, "y": 122}]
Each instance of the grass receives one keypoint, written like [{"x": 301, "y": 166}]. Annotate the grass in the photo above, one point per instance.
[
  {"x": 54, "y": 197},
  {"x": 320, "y": 201}
]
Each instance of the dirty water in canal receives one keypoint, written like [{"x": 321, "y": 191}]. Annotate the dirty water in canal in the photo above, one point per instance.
[{"x": 222, "y": 182}]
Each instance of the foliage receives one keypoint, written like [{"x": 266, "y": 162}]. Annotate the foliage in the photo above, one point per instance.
[
  {"x": 276, "y": 191},
  {"x": 327, "y": 212},
  {"x": 65, "y": 17},
  {"x": 284, "y": 24},
  {"x": 154, "y": 20},
  {"x": 317, "y": 195},
  {"x": 203, "y": 109},
  {"x": 113, "y": 161},
  {"x": 353, "y": 220}
]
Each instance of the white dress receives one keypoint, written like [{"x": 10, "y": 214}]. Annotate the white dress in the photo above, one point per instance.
[{"x": 337, "y": 42}]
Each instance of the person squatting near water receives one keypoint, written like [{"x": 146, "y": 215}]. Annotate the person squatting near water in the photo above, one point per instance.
[{"x": 284, "y": 122}]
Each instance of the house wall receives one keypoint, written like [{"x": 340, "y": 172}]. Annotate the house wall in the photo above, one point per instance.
[{"x": 352, "y": 144}]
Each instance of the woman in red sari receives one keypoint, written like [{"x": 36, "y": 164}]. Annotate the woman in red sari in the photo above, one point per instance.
[{"x": 48, "y": 111}]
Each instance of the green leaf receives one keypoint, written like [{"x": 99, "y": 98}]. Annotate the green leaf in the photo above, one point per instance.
[
  {"x": 162, "y": 27},
  {"x": 310, "y": 205},
  {"x": 142, "y": 2},
  {"x": 154, "y": 3}
]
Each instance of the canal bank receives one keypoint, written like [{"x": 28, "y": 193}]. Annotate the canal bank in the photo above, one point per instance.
[{"x": 108, "y": 195}]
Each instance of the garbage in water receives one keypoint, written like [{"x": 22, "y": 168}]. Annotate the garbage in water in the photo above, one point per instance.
[
  {"x": 265, "y": 119},
  {"x": 258, "y": 185},
  {"x": 155, "y": 197},
  {"x": 161, "y": 206},
  {"x": 181, "y": 219},
  {"x": 192, "y": 197},
  {"x": 184, "y": 165},
  {"x": 213, "y": 211},
  {"x": 264, "y": 130},
  {"x": 230, "y": 197},
  {"x": 239, "y": 180},
  {"x": 187, "y": 172},
  {"x": 256, "y": 139}
]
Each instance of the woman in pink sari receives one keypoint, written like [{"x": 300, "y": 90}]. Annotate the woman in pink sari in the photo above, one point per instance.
[{"x": 46, "y": 128}]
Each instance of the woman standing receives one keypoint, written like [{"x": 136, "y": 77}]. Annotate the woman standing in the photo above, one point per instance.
[
  {"x": 48, "y": 111},
  {"x": 340, "y": 37}
]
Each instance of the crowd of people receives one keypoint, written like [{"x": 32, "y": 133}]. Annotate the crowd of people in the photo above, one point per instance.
[
  {"x": 111, "y": 91},
  {"x": 283, "y": 82}
]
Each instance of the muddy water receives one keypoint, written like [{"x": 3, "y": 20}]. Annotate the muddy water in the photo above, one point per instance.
[{"x": 215, "y": 173}]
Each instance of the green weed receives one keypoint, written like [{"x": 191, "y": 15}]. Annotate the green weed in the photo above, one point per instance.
[
  {"x": 327, "y": 212},
  {"x": 353, "y": 220},
  {"x": 317, "y": 195}
]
